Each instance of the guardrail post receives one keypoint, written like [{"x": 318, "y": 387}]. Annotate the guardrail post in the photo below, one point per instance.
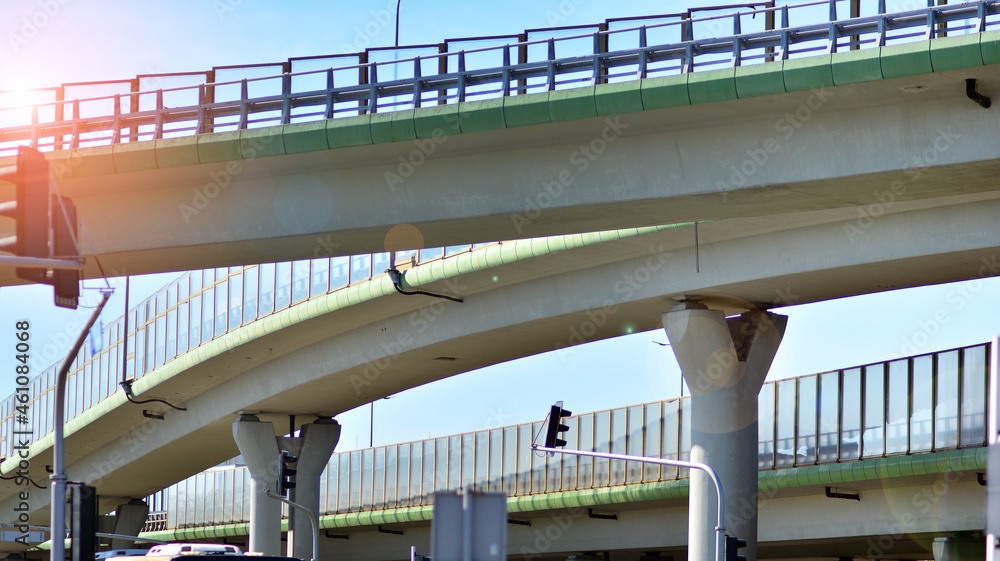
[
  {"x": 417, "y": 82},
  {"x": 60, "y": 107},
  {"x": 506, "y": 70},
  {"x": 737, "y": 42},
  {"x": 881, "y": 7},
  {"x": 134, "y": 108},
  {"x": 551, "y": 71},
  {"x": 116, "y": 134},
  {"x": 158, "y": 126},
  {"x": 522, "y": 58},
  {"x": 598, "y": 60},
  {"x": 769, "y": 26},
  {"x": 244, "y": 106},
  {"x": 201, "y": 109},
  {"x": 784, "y": 34},
  {"x": 286, "y": 94},
  {"x": 688, "y": 64},
  {"x": 643, "y": 55},
  {"x": 75, "y": 143},
  {"x": 373, "y": 87},
  {"x": 460, "y": 93},
  {"x": 329, "y": 94},
  {"x": 687, "y": 35},
  {"x": 442, "y": 58},
  {"x": 362, "y": 79}
]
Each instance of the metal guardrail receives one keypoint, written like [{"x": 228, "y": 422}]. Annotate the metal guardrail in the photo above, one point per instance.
[
  {"x": 190, "y": 311},
  {"x": 453, "y": 76}
]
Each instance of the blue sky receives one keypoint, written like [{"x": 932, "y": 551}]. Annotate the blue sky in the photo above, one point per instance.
[{"x": 46, "y": 42}]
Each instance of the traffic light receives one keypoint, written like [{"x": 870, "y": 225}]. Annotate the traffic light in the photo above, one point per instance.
[
  {"x": 30, "y": 211},
  {"x": 286, "y": 474},
  {"x": 733, "y": 546},
  {"x": 83, "y": 521},
  {"x": 66, "y": 282},
  {"x": 556, "y": 414}
]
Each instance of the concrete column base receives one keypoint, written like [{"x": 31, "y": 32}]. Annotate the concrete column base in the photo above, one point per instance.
[
  {"x": 257, "y": 444},
  {"x": 313, "y": 447},
  {"x": 724, "y": 362},
  {"x": 959, "y": 548},
  {"x": 129, "y": 520}
]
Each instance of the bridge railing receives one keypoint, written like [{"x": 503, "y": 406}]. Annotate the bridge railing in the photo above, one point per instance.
[
  {"x": 912, "y": 405},
  {"x": 151, "y": 107},
  {"x": 192, "y": 310}
]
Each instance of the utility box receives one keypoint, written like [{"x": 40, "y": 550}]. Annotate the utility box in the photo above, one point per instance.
[{"x": 469, "y": 526}]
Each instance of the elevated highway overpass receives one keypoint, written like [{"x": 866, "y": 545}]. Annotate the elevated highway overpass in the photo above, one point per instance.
[
  {"x": 873, "y": 461},
  {"x": 309, "y": 346},
  {"x": 296, "y": 339},
  {"x": 653, "y": 135}
]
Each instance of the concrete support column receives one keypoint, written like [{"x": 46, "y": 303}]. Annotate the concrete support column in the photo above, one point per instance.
[
  {"x": 313, "y": 447},
  {"x": 129, "y": 520},
  {"x": 259, "y": 448},
  {"x": 724, "y": 363}
]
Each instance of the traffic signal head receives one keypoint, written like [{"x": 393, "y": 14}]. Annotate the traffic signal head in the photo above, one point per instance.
[
  {"x": 733, "y": 546},
  {"x": 556, "y": 427},
  {"x": 30, "y": 211},
  {"x": 286, "y": 474},
  {"x": 66, "y": 282}
]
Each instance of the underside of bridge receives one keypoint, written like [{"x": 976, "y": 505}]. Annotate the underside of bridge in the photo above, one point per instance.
[{"x": 896, "y": 517}]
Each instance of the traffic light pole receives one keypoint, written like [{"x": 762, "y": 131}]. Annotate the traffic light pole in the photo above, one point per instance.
[
  {"x": 719, "y": 528},
  {"x": 993, "y": 456},
  {"x": 312, "y": 520},
  {"x": 58, "y": 477}
]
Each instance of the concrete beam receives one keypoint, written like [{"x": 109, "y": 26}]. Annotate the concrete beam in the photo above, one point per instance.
[
  {"x": 829, "y": 148},
  {"x": 295, "y": 372}
]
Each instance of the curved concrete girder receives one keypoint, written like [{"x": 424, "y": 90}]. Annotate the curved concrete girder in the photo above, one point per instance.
[
  {"x": 816, "y": 261},
  {"x": 750, "y": 157}
]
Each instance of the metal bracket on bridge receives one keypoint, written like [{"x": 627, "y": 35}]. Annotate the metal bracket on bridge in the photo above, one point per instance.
[
  {"x": 384, "y": 530},
  {"x": 336, "y": 536},
  {"x": 599, "y": 516},
  {"x": 836, "y": 495}
]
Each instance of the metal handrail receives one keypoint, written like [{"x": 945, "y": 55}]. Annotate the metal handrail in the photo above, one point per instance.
[{"x": 452, "y": 87}]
